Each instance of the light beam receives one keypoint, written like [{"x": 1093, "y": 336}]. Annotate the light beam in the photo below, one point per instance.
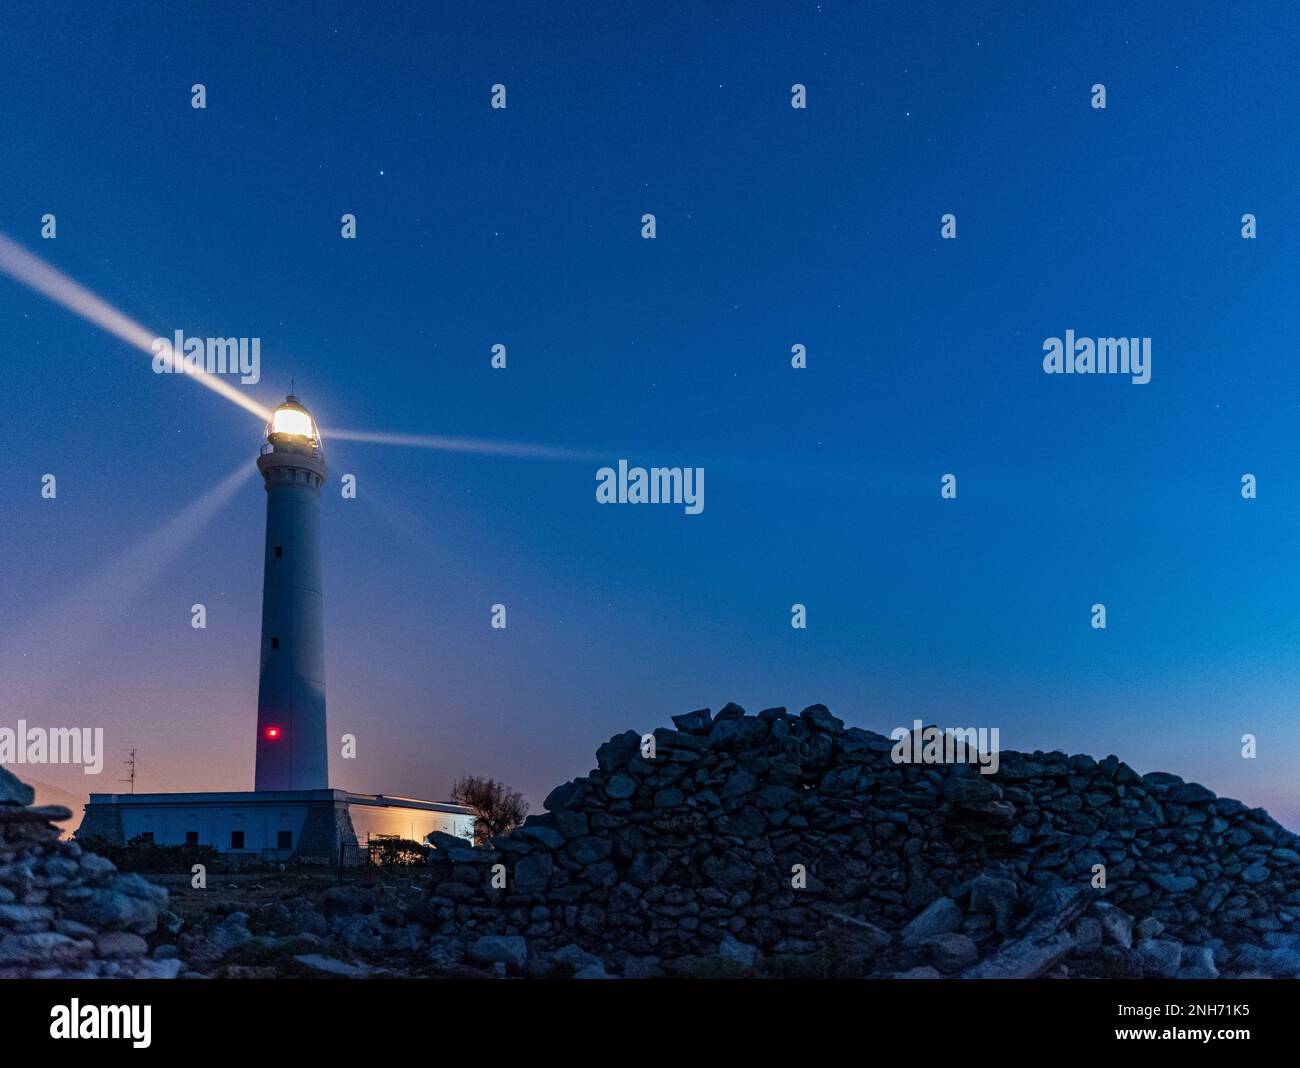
[
  {"x": 34, "y": 272},
  {"x": 520, "y": 450}
]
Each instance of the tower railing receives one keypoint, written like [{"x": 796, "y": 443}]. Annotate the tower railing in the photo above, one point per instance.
[{"x": 314, "y": 451}]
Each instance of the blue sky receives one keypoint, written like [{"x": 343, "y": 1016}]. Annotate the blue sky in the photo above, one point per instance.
[{"x": 775, "y": 226}]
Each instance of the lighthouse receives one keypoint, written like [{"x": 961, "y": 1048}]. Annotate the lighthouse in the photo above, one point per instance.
[
  {"x": 291, "y": 748},
  {"x": 292, "y": 810}
]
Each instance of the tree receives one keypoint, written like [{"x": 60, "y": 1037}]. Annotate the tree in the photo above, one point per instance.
[{"x": 497, "y": 809}]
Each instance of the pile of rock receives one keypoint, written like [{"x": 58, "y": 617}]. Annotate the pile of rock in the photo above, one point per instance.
[
  {"x": 774, "y": 841},
  {"x": 65, "y": 913},
  {"x": 736, "y": 844}
]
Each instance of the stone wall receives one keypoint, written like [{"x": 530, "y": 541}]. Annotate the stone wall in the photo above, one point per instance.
[
  {"x": 908, "y": 868},
  {"x": 65, "y": 913}
]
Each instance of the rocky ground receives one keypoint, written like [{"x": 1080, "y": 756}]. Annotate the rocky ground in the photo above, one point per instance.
[
  {"x": 65, "y": 913},
  {"x": 775, "y": 845}
]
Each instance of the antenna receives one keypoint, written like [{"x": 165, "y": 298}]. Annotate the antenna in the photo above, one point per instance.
[{"x": 130, "y": 768}]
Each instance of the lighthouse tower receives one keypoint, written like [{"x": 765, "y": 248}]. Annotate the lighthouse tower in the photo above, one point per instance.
[
  {"x": 292, "y": 753},
  {"x": 292, "y": 811}
]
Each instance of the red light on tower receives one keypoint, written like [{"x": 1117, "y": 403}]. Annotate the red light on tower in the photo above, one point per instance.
[{"x": 273, "y": 732}]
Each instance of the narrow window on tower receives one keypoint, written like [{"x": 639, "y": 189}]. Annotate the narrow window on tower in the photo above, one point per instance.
[
  {"x": 284, "y": 839},
  {"x": 275, "y": 643},
  {"x": 236, "y": 839},
  {"x": 191, "y": 837},
  {"x": 279, "y": 551}
]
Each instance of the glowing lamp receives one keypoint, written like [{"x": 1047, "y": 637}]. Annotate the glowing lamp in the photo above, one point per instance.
[
  {"x": 290, "y": 420},
  {"x": 273, "y": 732}
]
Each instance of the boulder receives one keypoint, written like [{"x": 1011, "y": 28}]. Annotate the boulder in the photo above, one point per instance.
[{"x": 510, "y": 950}]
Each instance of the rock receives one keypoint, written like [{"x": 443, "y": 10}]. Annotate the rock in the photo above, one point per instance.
[
  {"x": 533, "y": 873},
  {"x": 13, "y": 915},
  {"x": 330, "y": 966},
  {"x": 572, "y": 824},
  {"x": 1275, "y": 963},
  {"x": 592, "y": 971},
  {"x": 571, "y": 956},
  {"x": 616, "y": 752},
  {"x": 13, "y": 791},
  {"x": 1190, "y": 793},
  {"x": 820, "y": 717},
  {"x": 358, "y": 932},
  {"x": 447, "y": 953},
  {"x": 1087, "y": 936},
  {"x": 697, "y": 722},
  {"x": 620, "y": 786},
  {"x": 1023, "y": 958},
  {"x": 641, "y": 967},
  {"x": 1173, "y": 884},
  {"x": 444, "y": 842},
  {"x": 112, "y": 910},
  {"x": 969, "y": 789},
  {"x": 348, "y": 898},
  {"x": 138, "y": 886},
  {"x": 41, "y": 947},
  {"x": 560, "y": 797},
  {"x": 197, "y": 951},
  {"x": 93, "y": 864},
  {"x": 1256, "y": 873},
  {"x": 231, "y": 932},
  {"x": 745, "y": 955},
  {"x": 545, "y": 836},
  {"x": 995, "y": 896},
  {"x": 1149, "y": 927},
  {"x": 941, "y": 916},
  {"x": 167, "y": 968},
  {"x": 590, "y": 850},
  {"x": 741, "y": 781},
  {"x": 1198, "y": 963},
  {"x": 1161, "y": 957},
  {"x": 1116, "y": 924},
  {"x": 510, "y": 950},
  {"x": 953, "y": 952},
  {"x": 120, "y": 944}
]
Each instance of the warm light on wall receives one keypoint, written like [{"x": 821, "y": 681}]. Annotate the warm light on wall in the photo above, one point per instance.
[{"x": 273, "y": 732}]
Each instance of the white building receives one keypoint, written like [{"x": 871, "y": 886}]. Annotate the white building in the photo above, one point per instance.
[{"x": 291, "y": 811}]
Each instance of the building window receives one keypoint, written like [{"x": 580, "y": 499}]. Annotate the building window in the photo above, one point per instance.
[
  {"x": 275, "y": 643},
  {"x": 279, "y": 551},
  {"x": 284, "y": 839},
  {"x": 236, "y": 839},
  {"x": 191, "y": 837}
]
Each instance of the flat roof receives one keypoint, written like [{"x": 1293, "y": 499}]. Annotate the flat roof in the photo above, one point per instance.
[{"x": 278, "y": 797}]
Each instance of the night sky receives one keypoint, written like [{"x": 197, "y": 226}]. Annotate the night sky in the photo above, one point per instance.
[{"x": 775, "y": 227}]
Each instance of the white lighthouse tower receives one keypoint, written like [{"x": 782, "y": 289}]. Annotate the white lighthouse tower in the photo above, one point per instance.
[
  {"x": 291, "y": 743},
  {"x": 292, "y": 810}
]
